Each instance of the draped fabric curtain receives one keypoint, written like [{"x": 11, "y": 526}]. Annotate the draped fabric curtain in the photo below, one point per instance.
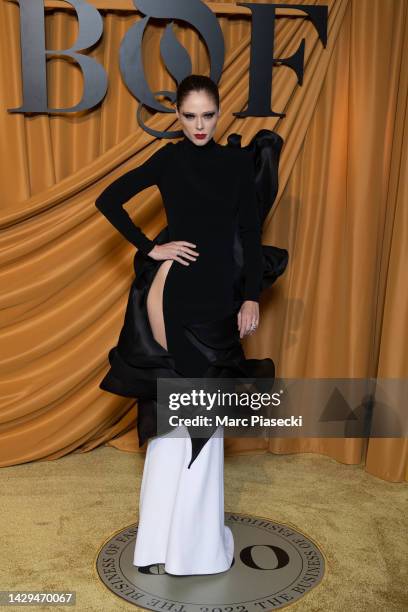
[{"x": 340, "y": 309}]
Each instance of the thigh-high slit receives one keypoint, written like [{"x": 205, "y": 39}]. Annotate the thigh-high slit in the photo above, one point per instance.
[{"x": 155, "y": 303}]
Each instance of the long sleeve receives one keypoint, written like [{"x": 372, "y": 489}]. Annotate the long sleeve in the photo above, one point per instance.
[
  {"x": 110, "y": 201},
  {"x": 250, "y": 231}
]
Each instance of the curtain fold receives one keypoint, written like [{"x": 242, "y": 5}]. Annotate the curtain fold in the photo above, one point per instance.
[{"x": 340, "y": 309}]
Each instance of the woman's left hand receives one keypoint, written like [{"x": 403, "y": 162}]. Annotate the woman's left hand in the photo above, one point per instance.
[{"x": 248, "y": 318}]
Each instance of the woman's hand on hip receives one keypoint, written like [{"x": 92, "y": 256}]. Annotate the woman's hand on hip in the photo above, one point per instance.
[
  {"x": 179, "y": 250},
  {"x": 248, "y": 318}
]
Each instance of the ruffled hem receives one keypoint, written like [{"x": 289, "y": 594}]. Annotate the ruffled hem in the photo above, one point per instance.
[{"x": 138, "y": 360}]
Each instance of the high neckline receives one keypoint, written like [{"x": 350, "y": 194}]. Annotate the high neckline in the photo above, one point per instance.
[{"x": 210, "y": 144}]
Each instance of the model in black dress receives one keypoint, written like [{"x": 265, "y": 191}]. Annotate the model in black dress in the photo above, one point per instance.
[{"x": 216, "y": 198}]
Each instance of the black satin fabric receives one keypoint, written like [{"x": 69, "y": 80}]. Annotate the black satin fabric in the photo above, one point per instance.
[{"x": 137, "y": 361}]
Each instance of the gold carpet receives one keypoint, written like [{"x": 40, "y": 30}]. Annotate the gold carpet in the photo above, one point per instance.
[{"x": 57, "y": 514}]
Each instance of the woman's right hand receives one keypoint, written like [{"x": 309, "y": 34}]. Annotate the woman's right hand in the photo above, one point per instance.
[{"x": 176, "y": 249}]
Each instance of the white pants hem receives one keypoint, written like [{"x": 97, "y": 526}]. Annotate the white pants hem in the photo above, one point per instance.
[{"x": 181, "y": 510}]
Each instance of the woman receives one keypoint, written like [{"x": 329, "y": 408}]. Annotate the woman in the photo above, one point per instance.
[{"x": 195, "y": 295}]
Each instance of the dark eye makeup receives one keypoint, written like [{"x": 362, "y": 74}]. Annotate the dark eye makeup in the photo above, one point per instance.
[{"x": 209, "y": 115}]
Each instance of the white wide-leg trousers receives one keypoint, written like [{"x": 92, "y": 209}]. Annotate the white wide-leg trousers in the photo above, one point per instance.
[{"x": 181, "y": 511}]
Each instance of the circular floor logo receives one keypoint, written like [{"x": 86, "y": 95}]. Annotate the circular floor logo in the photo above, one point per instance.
[{"x": 274, "y": 565}]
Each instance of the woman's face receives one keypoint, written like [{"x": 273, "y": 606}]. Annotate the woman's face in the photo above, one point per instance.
[{"x": 198, "y": 114}]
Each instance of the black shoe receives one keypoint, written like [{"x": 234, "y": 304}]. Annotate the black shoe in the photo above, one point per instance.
[{"x": 146, "y": 569}]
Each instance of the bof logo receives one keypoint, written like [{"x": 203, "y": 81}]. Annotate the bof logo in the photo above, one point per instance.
[{"x": 177, "y": 61}]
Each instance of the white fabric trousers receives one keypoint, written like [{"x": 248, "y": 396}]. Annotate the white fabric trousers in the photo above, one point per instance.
[{"x": 181, "y": 510}]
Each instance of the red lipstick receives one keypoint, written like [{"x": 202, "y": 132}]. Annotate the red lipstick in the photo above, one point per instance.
[{"x": 200, "y": 136}]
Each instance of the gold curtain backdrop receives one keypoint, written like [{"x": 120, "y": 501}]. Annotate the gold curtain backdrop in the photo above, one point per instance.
[{"x": 340, "y": 309}]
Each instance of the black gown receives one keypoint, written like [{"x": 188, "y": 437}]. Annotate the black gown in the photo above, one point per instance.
[{"x": 216, "y": 197}]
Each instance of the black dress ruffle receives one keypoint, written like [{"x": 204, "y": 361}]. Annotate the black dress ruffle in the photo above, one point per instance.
[{"x": 137, "y": 361}]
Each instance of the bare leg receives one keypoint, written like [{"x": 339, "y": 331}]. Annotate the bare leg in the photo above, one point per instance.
[{"x": 155, "y": 303}]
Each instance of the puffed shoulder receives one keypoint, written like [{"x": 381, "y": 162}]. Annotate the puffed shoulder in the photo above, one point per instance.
[{"x": 263, "y": 150}]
